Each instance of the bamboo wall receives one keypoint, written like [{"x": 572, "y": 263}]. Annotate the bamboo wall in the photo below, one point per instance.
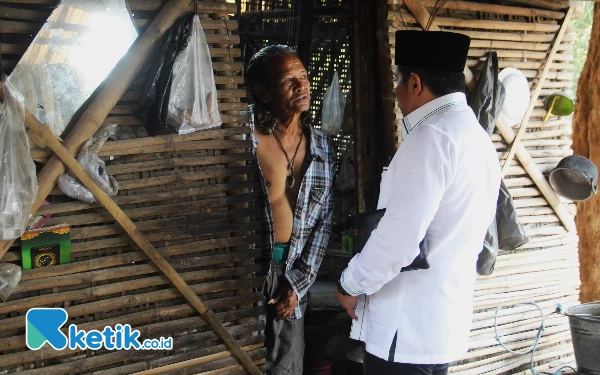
[
  {"x": 188, "y": 194},
  {"x": 546, "y": 270}
]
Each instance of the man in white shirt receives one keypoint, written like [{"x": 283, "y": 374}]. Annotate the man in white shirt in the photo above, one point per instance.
[{"x": 444, "y": 181}]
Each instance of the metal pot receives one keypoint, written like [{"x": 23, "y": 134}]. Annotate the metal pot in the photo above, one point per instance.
[{"x": 575, "y": 178}]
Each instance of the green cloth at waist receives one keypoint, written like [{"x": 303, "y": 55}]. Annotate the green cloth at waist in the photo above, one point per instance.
[{"x": 280, "y": 252}]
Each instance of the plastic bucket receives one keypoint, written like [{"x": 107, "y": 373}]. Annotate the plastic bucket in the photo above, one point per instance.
[{"x": 585, "y": 331}]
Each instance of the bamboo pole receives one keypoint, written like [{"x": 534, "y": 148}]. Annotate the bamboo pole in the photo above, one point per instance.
[
  {"x": 114, "y": 87},
  {"x": 49, "y": 353},
  {"x": 141, "y": 283},
  {"x": 536, "y": 92},
  {"x": 497, "y": 9},
  {"x": 45, "y": 133},
  {"x": 62, "y": 281},
  {"x": 148, "y": 358},
  {"x": 193, "y": 362},
  {"x": 474, "y": 24},
  {"x": 177, "y": 316},
  {"x": 537, "y": 176}
]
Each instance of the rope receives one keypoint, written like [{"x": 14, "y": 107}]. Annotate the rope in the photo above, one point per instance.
[{"x": 533, "y": 346}]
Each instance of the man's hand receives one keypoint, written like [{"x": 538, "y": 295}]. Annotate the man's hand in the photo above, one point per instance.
[
  {"x": 284, "y": 302},
  {"x": 349, "y": 302}
]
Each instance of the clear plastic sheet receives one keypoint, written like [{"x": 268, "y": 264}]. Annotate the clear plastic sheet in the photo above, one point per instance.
[
  {"x": 18, "y": 180},
  {"x": 193, "y": 102},
  {"x": 10, "y": 275},
  {"x": 334, "y": 103},
  {"x": 93, "y": 165}
]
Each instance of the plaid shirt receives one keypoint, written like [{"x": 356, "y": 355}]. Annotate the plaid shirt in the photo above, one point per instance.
[{"x": 313, "y": 216}]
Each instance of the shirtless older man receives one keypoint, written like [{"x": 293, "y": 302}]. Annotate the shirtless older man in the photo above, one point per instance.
[{"x": 296, "y": 167}]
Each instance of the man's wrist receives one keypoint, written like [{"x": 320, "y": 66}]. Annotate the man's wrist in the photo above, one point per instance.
[{"x": 340, "y": 288}]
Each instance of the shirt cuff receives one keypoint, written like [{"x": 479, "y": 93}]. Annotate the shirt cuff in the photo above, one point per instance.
[
  {"x": 349, "y": 284},
  {"x": 298, "y": 281}
]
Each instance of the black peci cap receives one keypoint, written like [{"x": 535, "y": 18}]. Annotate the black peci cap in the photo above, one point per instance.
[{"x": 432, "y": 50}]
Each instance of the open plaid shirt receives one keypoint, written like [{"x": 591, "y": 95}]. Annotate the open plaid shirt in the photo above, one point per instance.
[{"x": 313, "y": 216}]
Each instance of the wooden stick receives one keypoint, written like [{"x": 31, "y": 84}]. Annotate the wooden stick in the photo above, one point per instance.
[
  {"x": 48, "y": 353},
  {"x": 98, "y": 291},
  {"x": 114, "y": 87},
  {"x": 497, "y": 9},
  {"x": 148, "y": 358},
  {"x": 201, "y": 6},
  {"x": 193, "y": 362},
  {"x": 469, "y": 24},
  {"x": 537, "y": 90},
  {"x": 548, "y": 4},
  {"x": 46, "y": 134},
  {"x": 537, "y": 176}
]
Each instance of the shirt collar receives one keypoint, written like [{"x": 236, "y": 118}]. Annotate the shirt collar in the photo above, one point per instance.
[
  {"x": 317, "y": 149},
  {"x": 411, "y": 121}
]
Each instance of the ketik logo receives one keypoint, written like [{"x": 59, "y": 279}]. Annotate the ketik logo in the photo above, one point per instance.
[{"x": 44, "y": 324}]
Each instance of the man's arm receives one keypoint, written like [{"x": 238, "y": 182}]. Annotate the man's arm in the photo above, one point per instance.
[
  {"x": 422, "y": 171},
  {"x": 304, "y": 273}
]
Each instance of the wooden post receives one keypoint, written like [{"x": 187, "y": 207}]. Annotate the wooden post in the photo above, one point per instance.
[
  {"x": 586, "y": 142},
  {"x": 536, "y": 92},
  {"x": 357, "y": 105},
  {"x": 388, "y": 97},
  {"x": 114, "y": 87},
  {"x": 52, "y": 141}
]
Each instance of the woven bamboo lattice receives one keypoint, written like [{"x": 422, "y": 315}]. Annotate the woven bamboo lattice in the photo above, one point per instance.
[
  {"x": 188, "y": 194},
  {"x": 330, "y": 53},
  {"x": 546, "y": 270}
]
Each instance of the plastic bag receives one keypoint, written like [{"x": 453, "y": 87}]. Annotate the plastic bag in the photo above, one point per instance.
[
  {"x": 10, "y": 275},
  {"x": 486, "y": 102},
  {"x": 18, "y": 180},
  {"x": 193, "y": 101},
  {"x": 334, "y": 103},
  {"x": 154, "y": 97},
  {"x": 94, "y": 166}
]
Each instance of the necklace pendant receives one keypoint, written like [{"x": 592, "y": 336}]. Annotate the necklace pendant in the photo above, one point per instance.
[{"x": 290, "y": 181}]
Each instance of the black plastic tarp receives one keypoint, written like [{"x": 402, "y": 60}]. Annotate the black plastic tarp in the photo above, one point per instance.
[{"x": 505, "y": 232}]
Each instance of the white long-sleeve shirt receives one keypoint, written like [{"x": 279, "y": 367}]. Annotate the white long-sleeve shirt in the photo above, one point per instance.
[{"x": 444, "y": 180}]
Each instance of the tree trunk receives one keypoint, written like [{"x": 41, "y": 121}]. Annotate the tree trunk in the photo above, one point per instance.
[{"x": 586, "y": 142}]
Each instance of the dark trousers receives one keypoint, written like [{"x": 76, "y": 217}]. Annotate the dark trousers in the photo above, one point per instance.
[
  {"x": 377, "y": 366},
  {"x": 284, "y": 338}
]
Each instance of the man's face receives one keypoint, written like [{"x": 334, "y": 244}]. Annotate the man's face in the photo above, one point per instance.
[{"x": 289, "y": 90}]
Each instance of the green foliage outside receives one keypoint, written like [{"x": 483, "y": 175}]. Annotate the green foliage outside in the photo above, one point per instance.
[{"x": 582, "y": 28}]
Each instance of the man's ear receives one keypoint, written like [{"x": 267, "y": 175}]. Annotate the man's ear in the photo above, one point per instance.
[
  {"x": 415, "y": 84},
  {"x": 261, "y": 93}
]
